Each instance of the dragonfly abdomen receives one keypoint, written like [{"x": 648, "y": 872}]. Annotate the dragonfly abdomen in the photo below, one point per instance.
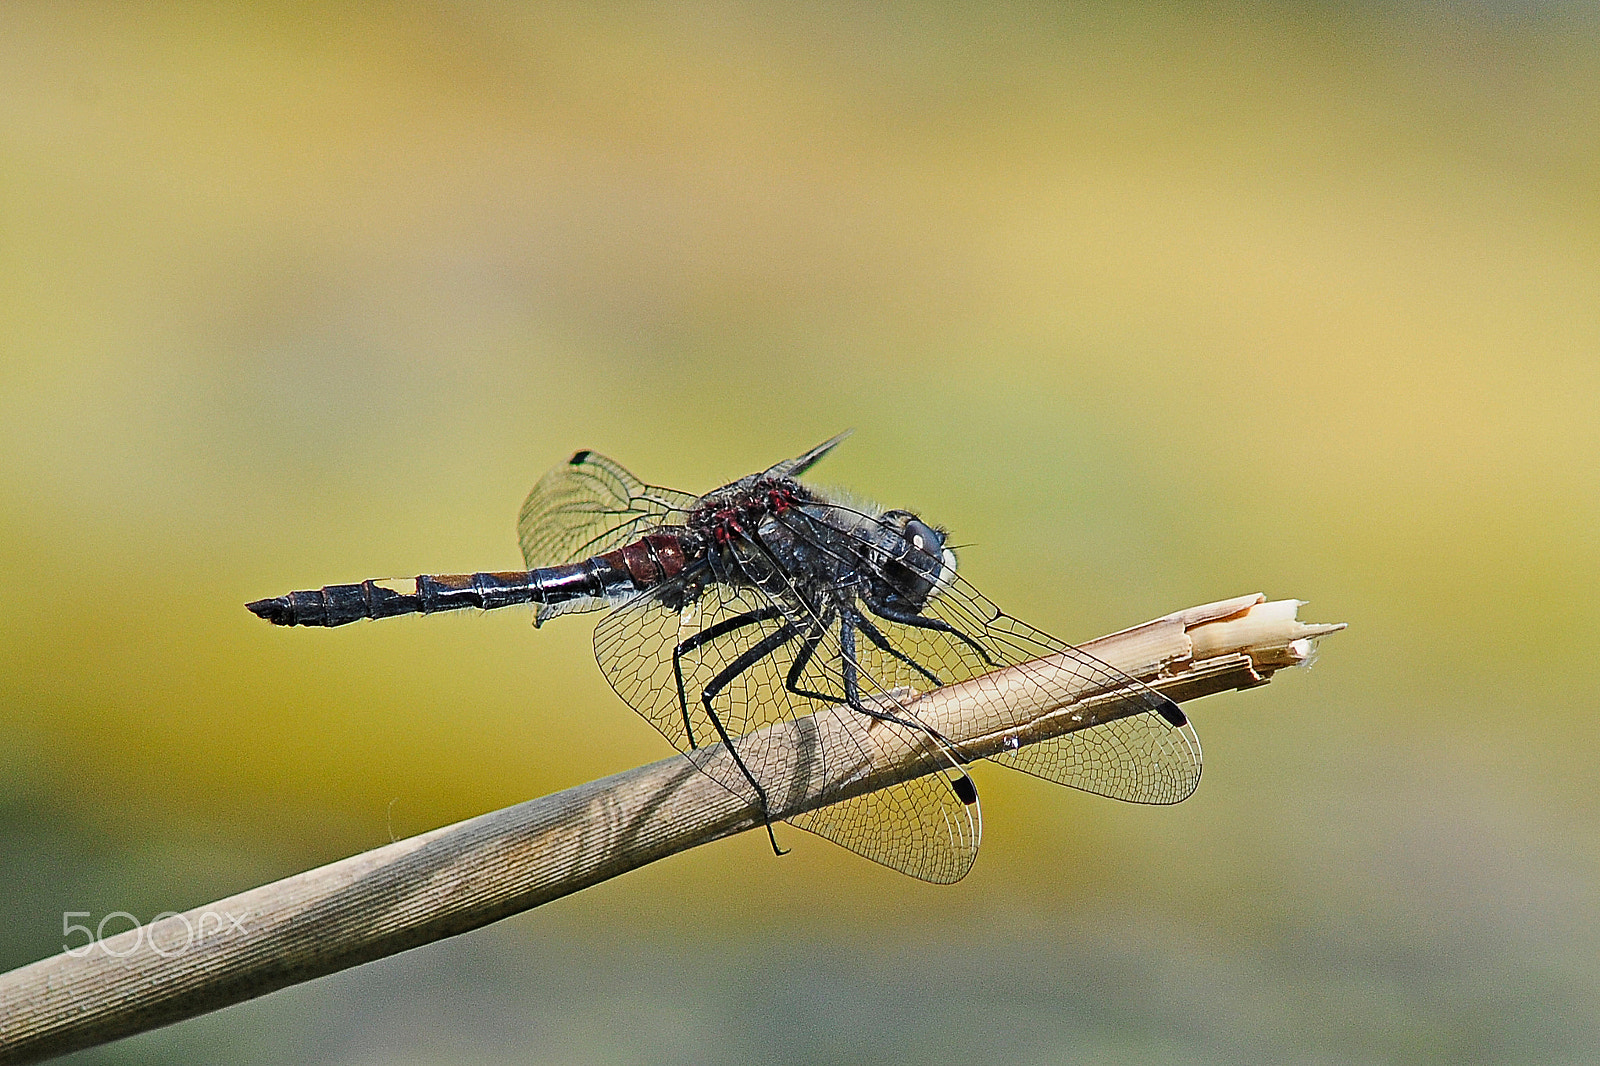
[
  {"x": 336, "y": 605},
  {"x": 633, "y": 567}
]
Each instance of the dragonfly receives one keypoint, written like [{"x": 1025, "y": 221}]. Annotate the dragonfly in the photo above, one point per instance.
[{"x": 769, "y": 600}]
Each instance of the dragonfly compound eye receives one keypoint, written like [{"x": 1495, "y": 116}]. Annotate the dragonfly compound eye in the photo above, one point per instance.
[
  {"x": 926, "y": 543},
  {"x": 915, "y": 565},
  {"x": 928, "y": 553}
]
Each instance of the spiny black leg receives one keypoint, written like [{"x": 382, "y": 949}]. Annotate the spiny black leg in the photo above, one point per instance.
[
  {"x": 918, "y": 621},
  {"x": 882, "y": 642},
  {"x": 808, "y": 648},
  {"x": 847, "y": 660},
  {"x": 807, "y": 651},
  {"x": 852, "y": 682},
  {"x": 754, "y": 654},
  {"x": 962, "y": 786},
  {"x": 705, "y": 636}
]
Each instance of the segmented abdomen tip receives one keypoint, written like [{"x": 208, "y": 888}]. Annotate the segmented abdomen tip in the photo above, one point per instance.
[{"x": 275, "y": 610}]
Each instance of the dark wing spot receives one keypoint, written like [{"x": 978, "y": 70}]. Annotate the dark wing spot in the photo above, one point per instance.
[
  {"x": 578, "y": 459},
  {"x": 1172, "y": 713},
  {"x": 966, "y": 791}
]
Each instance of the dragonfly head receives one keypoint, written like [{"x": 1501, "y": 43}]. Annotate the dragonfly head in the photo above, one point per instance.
[{"x": 916, "y": 564}]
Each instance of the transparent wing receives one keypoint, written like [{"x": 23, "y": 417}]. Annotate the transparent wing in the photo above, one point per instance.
[
  {"x": 736, "y": 659},
  {"x": 1143, "y": 757},
  {"x": 801, "y": 463},
  {"x": 587, "y": 506}
]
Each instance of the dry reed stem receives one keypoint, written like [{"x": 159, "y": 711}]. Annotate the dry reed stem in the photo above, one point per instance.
[{"x": 463, "y": 876}]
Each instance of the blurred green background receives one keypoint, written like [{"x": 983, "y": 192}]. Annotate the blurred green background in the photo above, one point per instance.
[{"x": 1150, "y": 306}]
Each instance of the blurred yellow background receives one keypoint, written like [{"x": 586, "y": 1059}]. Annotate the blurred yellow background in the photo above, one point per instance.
[{"x": 1148, "y": 306}]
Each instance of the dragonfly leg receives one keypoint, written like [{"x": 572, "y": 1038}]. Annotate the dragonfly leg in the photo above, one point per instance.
[
  {"x": 873, "y": 634},
  {"x": 807, "y": 651},
  {"x": 706, "y": 636},
  {"x": 918, "y": 621},
  {"x": 752, "y": 655},
  {"x": 961, "y": 784},
  {"x": 852, "y": 685}
]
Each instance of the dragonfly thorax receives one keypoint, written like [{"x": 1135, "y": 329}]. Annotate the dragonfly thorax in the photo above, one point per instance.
[
  {"x": 794, "y": 542},
  {"x": 735, "y": 512}
]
